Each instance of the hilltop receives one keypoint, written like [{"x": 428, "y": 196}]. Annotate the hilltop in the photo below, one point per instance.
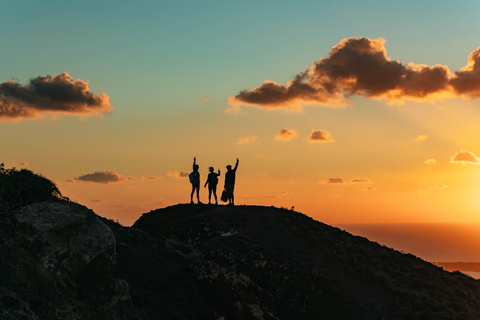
[{"x": 60, "y": 260}]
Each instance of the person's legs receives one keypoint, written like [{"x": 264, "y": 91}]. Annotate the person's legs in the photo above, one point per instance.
[
  {"x": 198, "y": 195},
  {"x": 230, "y": 193},
  {"x": 214, "y": 189},
  {"x": 209, "y": 194},
  {"x": 191, "y": 195}
]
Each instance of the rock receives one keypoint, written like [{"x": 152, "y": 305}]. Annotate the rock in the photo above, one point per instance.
[
  {"x": 67, "y": 252},
  {"x": 65, "y": 237}
]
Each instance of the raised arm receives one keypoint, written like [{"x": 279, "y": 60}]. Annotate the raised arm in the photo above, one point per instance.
[
  {"x": 218, "y": 172},
  {"x": 236, "y": 165},
  {"x": 194, "y": 163}
]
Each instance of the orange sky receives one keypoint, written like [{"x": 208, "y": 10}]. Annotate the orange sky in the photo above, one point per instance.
[{"x": 348, "y": 113}]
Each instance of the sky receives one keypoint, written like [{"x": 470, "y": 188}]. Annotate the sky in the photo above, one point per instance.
[{"x": 347, "y": 111}]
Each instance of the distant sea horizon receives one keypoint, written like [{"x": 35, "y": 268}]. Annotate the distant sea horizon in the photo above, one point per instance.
[{"x": 452, "y": 246}]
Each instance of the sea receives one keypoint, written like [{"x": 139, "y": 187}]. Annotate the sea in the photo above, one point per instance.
[{"x": 453, "y": 246}]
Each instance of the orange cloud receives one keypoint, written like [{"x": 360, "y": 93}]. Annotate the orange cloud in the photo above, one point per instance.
[
  {"x": 333, "y": 181},
  {"x": 421, "y": 138},
  {"x": 422, "y": 191},
  {"x": 178, "y": 175},
  {"x": 465, "y": 157},
  {"x": 50, "y": 94},
  {"x": 431, "y": 161},
  {"x": 20, "y": 164},
  {"x": 359, "y": 180},
  {"x": 246, "y": 140},
  {"x": 320, "y": 136},
  {"x": 360, "y": 66},
  {"x": 152, "y": 177},
  {"x": 102, "y": 177},
  {"x": 286, "y": 134},
  {"x": 234, "y": 110}
]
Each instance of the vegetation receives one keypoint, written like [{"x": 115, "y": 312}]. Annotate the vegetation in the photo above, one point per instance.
[{"x": 23, "y": 187}]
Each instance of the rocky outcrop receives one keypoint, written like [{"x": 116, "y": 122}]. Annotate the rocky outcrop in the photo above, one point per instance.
[
  {"x": 61, "y": 261},
  {"x": 66, "y": 237},
  {"x": 69, "y": 260}
]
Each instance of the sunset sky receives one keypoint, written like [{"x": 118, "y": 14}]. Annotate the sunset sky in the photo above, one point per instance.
[{"x": 350, "y": 111}]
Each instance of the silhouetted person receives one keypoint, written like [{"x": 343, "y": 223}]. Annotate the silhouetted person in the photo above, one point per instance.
[
  {"x": 230, "y": 182},
  {"x": 212, "y": 182},
  {"x": 195, "y": 180}
]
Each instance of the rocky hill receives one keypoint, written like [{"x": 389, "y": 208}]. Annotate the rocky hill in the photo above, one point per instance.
[{"x": 61, "y": 261}]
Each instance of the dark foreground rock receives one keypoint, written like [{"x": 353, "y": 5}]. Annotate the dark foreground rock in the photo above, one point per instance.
[
  {"x": 57, "y": 261},
  {"x": 61, "y": 261}
]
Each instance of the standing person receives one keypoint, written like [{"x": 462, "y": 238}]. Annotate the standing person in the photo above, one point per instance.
[
  {"x": 212, "y": 182},
  {"x": 195, "y": 180},
  {"x": 230, "y": 182}
]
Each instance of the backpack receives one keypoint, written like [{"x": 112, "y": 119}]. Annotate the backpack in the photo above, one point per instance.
[{"x": 191, "y": 176}]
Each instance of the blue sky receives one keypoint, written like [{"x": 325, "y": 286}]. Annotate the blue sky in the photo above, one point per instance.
[{"x": 156, "y": 60}]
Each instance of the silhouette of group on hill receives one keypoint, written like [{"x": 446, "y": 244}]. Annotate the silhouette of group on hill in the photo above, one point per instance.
[{"x": 212, "y": 181}]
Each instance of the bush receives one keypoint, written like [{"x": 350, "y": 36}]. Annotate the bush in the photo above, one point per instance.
[{"x": 23, "y": 187}]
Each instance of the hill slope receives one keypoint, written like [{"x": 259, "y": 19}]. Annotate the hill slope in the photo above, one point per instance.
[
  {"x": 60, "y": 260},
  {"x": 248, "y": 260}
]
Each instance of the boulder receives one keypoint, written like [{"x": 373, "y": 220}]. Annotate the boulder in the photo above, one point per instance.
[{"x": 65, "y": 237}]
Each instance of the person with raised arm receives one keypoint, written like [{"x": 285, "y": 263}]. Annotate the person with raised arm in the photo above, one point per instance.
[
  {"x": 194, "y": 177},
  {"x": 230, "y": 182},
  {"x": 212, "y": 181}
]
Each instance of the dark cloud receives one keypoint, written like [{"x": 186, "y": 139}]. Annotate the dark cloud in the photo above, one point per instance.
[
  {"x": 333, "y": 181},
  {"x": 465, "y": 157},
  {"x": 467, "y": 81},
  {"x": 320, "y": 136},
  {"x": 50, "y": 94},
  {"x": 360, "y": 66},
  {"x": 102, "y": 177},
  {"x": 286, "y": 134}
]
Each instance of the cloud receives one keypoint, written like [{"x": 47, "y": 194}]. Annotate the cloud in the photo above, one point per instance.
[
  {"x": 359, "y": 180},
  {"x": 20, "y": 164},
  {"x": 246, "y": 140},
  {"x": 421, "y": 138},
  {"x": 205, "y": 98},
  {"x": 286, "y": 134},
  {"x": 50, "y": 94},
  {"x": 143, "y": 178},
  {"x": 234, "y": 110},
  {"x": 368, "y": 188},
  {"x": 360, "y": 66},
  {"x": 431, "y": 161},
  {"x": 465, "y": 157},
  {"x": 320, "y": 136},
  {"x": 440, "y": 186},
  {"x": 178, "y": 175},
  {"x": 102, "y": 177},
  {"x": 422, "y": 191},
  {"x": 333, "y": 181},
  {"x": 466, "y": 82}
]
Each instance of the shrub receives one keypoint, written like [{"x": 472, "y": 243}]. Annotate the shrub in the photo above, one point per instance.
[{"x": 23, "y": 187}]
